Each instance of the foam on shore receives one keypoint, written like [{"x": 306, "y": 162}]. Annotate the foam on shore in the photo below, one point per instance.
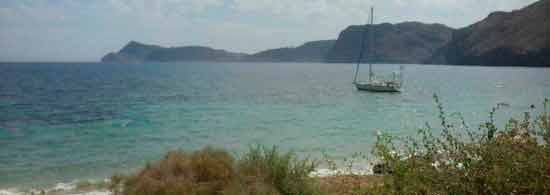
[{"x": 69, "y": 188}]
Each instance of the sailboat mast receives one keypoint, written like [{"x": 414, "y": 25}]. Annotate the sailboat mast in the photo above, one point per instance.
[
  {"x": 371, "y": 42},
  {"x": 401, "y": 75},
  {"x": 356, "y": 70},
  {"x": 361, "y": 51}
]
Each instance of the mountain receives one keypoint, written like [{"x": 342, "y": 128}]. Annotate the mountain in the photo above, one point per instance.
[
  {"x": 408, "y": 42},
  {"x": 192, "y": 53},
  {"x": 314, "y": 51},
  {"x": 132, "y": 52},
  {"x": 517, "y": 38},
  {"x": 135, "y": 52}
]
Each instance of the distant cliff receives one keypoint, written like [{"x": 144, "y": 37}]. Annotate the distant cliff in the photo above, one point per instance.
[
  {"x": 132, "y": 52},
  {"x": 517, "y": 38},
  {"x": 314, "y": 51},
  {"x": 409, "y": 42},
  {"x": 135, "y": 52}
]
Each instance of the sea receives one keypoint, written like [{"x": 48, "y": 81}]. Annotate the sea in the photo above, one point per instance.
[{"x": 67, "y": 122}]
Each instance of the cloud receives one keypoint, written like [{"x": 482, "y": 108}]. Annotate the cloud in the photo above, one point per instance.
[
  {"x": 455, "y": 13},
  {"x": 164, "y": 8},
  {"x": 86, "y": 29}
]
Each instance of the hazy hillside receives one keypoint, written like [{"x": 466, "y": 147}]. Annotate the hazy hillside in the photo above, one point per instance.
[
  {"x": 138, "y": 52},
  {"x": 314, "y": 51},
  {"x": 409, "y": 42},
  {"x": 134, "y": 52},
  {"x": 517, "y": 38}
]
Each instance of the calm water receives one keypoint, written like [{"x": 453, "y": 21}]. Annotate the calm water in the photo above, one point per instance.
[{"x": 60, "y": 122}]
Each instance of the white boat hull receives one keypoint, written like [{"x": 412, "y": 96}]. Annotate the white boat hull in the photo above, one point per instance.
[{"x": 378, "y": 87}]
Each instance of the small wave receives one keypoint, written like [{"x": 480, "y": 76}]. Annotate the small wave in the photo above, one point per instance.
[
  {"x": 65, "y": 186},
  {"x": 9, "y": 192},
  {"x": 499, "y": 85},
  {"x": 125, "y": 123},
  {"x": 70, "y": 188},
  {"x": 92, "y": 193}
]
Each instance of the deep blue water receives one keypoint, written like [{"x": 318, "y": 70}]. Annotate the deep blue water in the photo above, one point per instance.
[{"x": 65, "y": 121}]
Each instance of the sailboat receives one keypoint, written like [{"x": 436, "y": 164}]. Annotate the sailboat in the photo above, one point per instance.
[{"x": 373, "y": 84}]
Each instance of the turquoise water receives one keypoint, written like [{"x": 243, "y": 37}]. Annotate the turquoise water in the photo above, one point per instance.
[{"x": 61, "y": 122}]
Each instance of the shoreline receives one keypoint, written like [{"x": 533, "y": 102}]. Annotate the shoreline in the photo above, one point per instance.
[
  {"x": 278, "y": 62},
  {"x": 324, "y": 175}
]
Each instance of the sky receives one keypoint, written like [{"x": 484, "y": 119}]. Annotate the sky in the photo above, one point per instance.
[{"x": 85, "y": 30}]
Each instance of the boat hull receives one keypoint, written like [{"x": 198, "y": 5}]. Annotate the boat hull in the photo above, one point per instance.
[{"x": 378, "y": 88}]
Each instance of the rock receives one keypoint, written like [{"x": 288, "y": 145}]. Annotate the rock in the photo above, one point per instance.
[{"x": 381, "y": 168}]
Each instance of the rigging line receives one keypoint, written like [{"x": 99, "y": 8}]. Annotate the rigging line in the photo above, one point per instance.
[{"x": 362, "y": 48}]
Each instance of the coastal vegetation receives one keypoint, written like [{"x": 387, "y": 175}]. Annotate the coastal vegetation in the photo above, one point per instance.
[
  {"x": 514, "y": 159},
  {"x": 214, "y": 171},
  {"x": 459, "y": 159}
]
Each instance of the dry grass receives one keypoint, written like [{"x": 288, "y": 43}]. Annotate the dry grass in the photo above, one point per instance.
[
  {"x": 213, "y": 171},
  {"x": 208, "y": 171}
]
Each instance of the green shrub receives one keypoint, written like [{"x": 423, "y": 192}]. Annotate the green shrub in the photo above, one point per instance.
[
  {"x": 513, "y": 160},
  {"x": 284, "y": 172}
]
